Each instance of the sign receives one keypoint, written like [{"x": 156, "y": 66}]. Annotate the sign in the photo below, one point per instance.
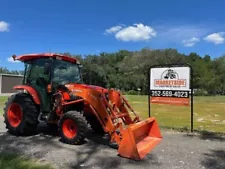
[{"x": 170, "y": 85}]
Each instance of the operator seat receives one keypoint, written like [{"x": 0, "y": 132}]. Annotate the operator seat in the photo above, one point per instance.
[
  {"x": 40, "y": 81},
  {"x": 40, "y": 85}
]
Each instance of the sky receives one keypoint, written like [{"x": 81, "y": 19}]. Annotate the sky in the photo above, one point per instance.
[{"x": 94, "y": 26}]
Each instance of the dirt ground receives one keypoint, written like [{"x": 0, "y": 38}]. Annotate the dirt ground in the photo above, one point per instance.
[{"x": 176, "y": 151}]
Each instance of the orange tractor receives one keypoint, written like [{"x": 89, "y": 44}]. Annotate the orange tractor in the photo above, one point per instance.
[{"x": 53, "y": 91}]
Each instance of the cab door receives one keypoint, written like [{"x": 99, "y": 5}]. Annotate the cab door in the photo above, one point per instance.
[{"x": 39, "y": 80}]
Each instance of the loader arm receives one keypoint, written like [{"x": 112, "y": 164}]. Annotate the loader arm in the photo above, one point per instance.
[
  {"x": 96, "y": 100},
  {"x": 134, "y": 138}
]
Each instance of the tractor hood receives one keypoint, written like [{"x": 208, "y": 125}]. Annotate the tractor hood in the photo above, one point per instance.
[{"x": 75, "y": 86}]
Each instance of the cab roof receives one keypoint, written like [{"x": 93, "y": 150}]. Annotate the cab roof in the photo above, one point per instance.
[{"x": 27, "y": 57}]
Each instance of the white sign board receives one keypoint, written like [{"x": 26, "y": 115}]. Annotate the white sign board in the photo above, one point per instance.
[{"x": 174, "y": 78}]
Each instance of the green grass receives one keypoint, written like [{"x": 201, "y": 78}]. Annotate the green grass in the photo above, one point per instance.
[
  {"x": 12, "y": 161},
  {"x": 209, "y": 113},
  {"x": 2, "y": 102}
]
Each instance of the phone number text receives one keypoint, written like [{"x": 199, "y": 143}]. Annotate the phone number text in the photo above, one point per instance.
[{"x": 169, "y": 93}]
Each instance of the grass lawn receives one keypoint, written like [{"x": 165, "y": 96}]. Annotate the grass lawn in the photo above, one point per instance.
[
  {"x": 11, "y": 161},
  {"x": 209, "y": 113},
  {"x": 3, "y": 99}
]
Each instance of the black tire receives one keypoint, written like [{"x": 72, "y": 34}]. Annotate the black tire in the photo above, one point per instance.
[
  {"x": 81, "y": 124},
  {"x": 52, "y": 126},
  {"x": 29, "y": 119},
  {"x": 95, "y": 125}
]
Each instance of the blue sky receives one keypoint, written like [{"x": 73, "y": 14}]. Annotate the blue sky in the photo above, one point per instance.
[{"x": 88, "y": 27}]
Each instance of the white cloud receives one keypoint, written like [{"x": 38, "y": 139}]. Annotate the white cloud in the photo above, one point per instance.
[
  {"x": 177, "y": 33},
  {"x": 216, "y": 38},
  {"x": 10, "y": 59},
  {"x": 167, "y": 33},
  {"x": 190, "y": 42},
  {"x": 113, "y": 29},
  {"x": 4, "y": 26},
  {"x": 137, "y": 32}
]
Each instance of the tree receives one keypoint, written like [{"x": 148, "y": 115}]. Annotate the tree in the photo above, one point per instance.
[{"x": 128, "y": 70}]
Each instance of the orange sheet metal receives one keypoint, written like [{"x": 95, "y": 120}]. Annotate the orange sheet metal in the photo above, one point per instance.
[{"x": 139, "y": 139}]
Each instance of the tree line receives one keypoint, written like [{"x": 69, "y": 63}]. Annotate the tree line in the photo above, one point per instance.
[
  {"x": 4, "y": 70},
  {"x": 127, "y": 70}
]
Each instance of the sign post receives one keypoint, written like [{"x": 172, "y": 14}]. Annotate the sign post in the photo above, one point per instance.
[{"x": 171, "y": 84}]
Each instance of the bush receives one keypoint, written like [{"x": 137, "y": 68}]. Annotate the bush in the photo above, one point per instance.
[
  {"x": 132, "y": 92},
  {"x": 200, "y": 92}
]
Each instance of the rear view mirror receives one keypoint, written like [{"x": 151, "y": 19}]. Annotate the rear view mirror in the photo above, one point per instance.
[{"x": 46, "y": 68}]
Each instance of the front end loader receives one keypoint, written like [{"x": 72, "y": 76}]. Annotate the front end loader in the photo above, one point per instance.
[{"x": 53, "y": 92}]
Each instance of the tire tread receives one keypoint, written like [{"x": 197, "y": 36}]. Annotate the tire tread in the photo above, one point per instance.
[
  {"x": 30, "y": 113},
  {"x": 82, "y": 124}
]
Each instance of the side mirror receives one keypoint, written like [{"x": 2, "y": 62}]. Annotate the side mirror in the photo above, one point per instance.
[{"x": 46, "y": 68}]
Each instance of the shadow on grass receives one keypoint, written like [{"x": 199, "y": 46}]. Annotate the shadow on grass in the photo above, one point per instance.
[
  {"x": 214, "y": 160},
  {"x": 94, "y": 152}
]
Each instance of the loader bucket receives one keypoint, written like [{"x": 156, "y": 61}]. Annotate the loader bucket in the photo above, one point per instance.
[{"x": 139, "y": 139}]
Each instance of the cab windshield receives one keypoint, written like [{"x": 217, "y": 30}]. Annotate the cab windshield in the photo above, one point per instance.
[{"x": 66, "y": 72}]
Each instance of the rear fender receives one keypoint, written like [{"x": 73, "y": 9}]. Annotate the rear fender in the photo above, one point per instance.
[{"x": 31, "y": 91}]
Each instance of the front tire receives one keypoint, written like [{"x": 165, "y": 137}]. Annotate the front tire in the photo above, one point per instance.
[
  {"x": 95, "y": 125},
  {"x": 21, "y": 114},
  {"x": 73, "y": 127}
]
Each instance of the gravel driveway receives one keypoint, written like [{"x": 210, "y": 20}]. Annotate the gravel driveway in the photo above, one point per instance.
[{"x": 177, "y": 150}]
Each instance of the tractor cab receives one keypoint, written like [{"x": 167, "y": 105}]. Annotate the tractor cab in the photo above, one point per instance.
[{"x": 45, "y": 73}]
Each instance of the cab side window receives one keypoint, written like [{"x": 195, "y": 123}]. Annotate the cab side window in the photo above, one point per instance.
[{"x": 37, "y": 70}]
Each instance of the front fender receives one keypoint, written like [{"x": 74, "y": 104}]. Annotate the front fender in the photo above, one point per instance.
[{"x": 31, "y": 91}]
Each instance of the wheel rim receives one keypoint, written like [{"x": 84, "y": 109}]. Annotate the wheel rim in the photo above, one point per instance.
[
  {"x": 69, "y": 128},
  {"x": 14, "y": 115}
]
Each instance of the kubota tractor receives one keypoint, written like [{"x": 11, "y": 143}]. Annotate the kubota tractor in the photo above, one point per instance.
[{"x": 52, "y": 91}]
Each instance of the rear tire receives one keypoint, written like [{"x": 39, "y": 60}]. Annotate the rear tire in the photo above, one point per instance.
[
  {"x": 21, "y": 114},
  {"x": 73, "y": 127}
]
